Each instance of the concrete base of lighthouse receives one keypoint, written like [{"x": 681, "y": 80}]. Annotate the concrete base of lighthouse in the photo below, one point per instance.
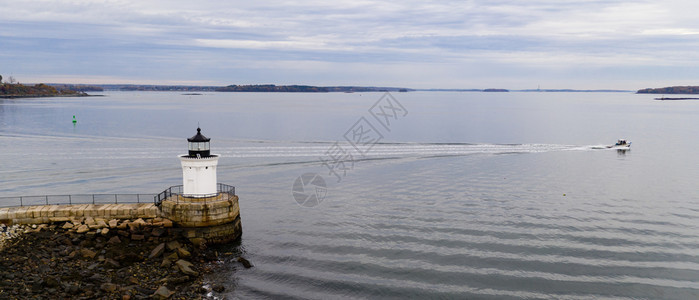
[{"x": 216, "y": 219}]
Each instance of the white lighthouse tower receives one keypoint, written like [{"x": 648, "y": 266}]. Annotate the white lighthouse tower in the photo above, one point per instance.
[{"x": 199, "y": 168}]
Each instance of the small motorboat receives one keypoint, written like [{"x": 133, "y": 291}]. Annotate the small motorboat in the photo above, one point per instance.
[{"x": 620, "y": 144}]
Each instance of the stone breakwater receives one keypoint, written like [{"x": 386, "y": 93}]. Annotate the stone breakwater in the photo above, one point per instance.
[{"x": 97, "y": 258}]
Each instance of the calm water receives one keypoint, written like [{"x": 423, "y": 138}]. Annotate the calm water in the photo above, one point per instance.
[{"x": 469, "y": 195}]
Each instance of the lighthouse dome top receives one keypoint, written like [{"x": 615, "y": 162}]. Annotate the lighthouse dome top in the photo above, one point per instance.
[
  {"x": 198, "y": 138},
  {"x": 199, "y": 145}
]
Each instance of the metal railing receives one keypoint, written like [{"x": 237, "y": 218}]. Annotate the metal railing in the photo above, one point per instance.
[
  {"x": 74, "y": 199},
  {"x": 178, "y": 190}
]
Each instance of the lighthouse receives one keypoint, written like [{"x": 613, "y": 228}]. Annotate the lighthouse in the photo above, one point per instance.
[
  {"x": 199, "y": 168},
  {"x": 201, "y": 207}
]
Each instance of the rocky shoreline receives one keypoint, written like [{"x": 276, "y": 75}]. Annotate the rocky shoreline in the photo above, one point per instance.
[{"x": 99, "y": 259}]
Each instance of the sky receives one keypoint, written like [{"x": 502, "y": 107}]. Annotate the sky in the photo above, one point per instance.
[{"x": 582, "y": 44}]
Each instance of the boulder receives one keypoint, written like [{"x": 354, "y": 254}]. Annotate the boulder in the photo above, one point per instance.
[
  {"x": 68, "y": 225},
  {"x": 183, "y": 253},
  {"x": 172, "y": 257},
  {"x": 114, "y": 240},
  {"x": 246, "y": 263},
  {"x": 158, "y": 231},
  {"x": 198, "y": 242},
  {"x": 167, "y": 223},
  {"x": 113, "y": 223},
  {"x": 173, "y": 245},
  {"x": 123, "y": 225},
  {"x": 134, "y": 226},
  {"x": 218, "y": 288},
  {"x": 111, "y": 263},
  {"x": 163, "y": 293},
  {"x": 83, "y": 229},
  {"x": 166, "y": 263},
  {"x": 87, "y": 253},
  {"x": 99, "y": 224},
  {"x": 186, "y": 267},
  {"x": 108, "y": 287},
  {"x": 157, "y": 251}
]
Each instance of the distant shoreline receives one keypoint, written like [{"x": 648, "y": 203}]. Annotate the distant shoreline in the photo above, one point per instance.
[
  {"x": 681, "y": 98},
  {"x": 46, "y": 96},
  {"x": 17, "y": 90}
]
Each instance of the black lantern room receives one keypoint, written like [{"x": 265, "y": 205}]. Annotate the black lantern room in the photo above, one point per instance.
[{"x": 199, "y": 145}]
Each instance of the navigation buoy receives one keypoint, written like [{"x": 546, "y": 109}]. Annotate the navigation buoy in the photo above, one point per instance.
[{"x": 74, "y": 120}]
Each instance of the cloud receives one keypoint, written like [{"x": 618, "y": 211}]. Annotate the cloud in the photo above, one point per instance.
[{"x": 217, "y": 40}]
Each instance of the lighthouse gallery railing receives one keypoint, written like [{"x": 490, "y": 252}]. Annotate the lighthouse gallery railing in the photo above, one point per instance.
[{"x": 178, "y": 190}]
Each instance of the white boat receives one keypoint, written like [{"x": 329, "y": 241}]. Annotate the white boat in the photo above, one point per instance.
[{"x": 620, "y": 144}]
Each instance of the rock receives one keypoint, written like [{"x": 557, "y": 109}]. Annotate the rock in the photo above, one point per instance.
[
  {"x": 123, "y": 225},
  {"x": 158, "y": 231},
  {"x": 104, "y": 231},
  {"x": 71, "y": 289},
  {"x": 173, "y": 245},
  {"x": 173, "y": 256},
  {"x": 108, "y": 287},
  {"x": 246, "y": 263},
  {"x": 89, "y": 221},
  {"x": 113, "y": 223},
  {"x": 167, "y": 223},
  {"x": 96, "y": 278},
  {"x": 163, "y": 293},
  {"x": 190, "y": 234},
  {"x": 111, "y": 263},
  {"x": 183, "y": 253},
  {"x": 82, "y": 229},
  {"x": 52, "y": 282},
  {"x": 114, "y": 240},
  {"x": 177, "y": 280},
  {"x": 199, "y": 243},
  {"x": 134, "y": 226},
  {"x": 166, "y": 263},
  {"x": 87, "y": 253},
  {"x": 157, "y": 251},
  {"x": 99, "y": 224},
  {"x": 218, "y": 288},
  {"x": 137, "y": 237},
  {"x": 93, "y": 266},
  {"x": 68, "y": 225},
  {"x": 186, "y": 267}
]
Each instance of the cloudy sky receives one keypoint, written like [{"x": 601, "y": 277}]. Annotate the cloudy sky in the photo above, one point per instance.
[{"x": 584, "y": 44}]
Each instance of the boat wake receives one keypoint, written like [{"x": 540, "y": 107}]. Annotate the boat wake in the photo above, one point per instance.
[{"x": 393, "y": 150}]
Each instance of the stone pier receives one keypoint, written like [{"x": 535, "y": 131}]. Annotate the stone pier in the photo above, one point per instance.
[{"x": 215, "y": 219}]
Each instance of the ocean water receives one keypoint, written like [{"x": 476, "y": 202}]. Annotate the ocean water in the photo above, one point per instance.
[{"x": 460, "y": 195}]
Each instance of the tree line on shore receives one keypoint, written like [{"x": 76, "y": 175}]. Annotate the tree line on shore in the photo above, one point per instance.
[
  {"x": 671, "y": 90},
  {"x": 14, "y": 89}
]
